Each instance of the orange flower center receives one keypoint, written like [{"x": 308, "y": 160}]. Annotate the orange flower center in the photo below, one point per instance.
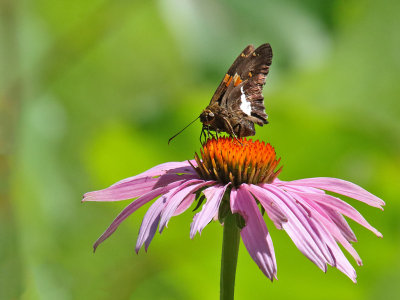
[{"x": 237, "y": 161}]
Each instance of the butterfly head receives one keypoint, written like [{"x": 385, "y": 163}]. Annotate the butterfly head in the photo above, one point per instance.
[{"x": 207, "y": 117}]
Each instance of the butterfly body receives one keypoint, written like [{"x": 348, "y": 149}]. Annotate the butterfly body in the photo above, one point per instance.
[
  {"x": 219, "y": 119},
  {"x": 238, "y": 102}
]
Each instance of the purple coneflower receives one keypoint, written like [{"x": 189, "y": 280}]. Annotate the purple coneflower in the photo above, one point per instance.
[{"x": 239, "y": 182}]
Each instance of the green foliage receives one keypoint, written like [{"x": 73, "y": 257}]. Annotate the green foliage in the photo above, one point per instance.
[{"x": 90, "y": 92}]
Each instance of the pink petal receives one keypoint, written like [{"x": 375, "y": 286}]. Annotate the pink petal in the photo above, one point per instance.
[
  {"x": 150, "y": 221},
  {"x": 299, "y": 229},
  {"x": 343, "y": 265},
  {"x": 337, "y": 218},
  {"x": 319, "y": 214},
  {"x": 182, "y": 167},
  {"x": 131, "y": 208},
  {"x": 255, "y": 234},
  {"x": 340, "y": 187},
  {"x": 341, "y": 207},
  {"x": 178, "y": 196},
  {"x": 339, "y": 260},
  {"x": 184, "y": 205},
  {"x": 298, "y": 188},
  {"x": 214, "y": 196},
  {"x": 123, "y": 190},
  {"x": 272, "y": 210},
  {"x": 340, "y": 222}
]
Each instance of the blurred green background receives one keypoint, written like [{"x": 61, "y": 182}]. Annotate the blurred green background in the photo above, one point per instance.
[{"x": 90, "y": 92}]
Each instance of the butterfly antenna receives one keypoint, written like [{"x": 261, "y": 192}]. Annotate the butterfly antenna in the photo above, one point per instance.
[{"x": 182, "y": 130}]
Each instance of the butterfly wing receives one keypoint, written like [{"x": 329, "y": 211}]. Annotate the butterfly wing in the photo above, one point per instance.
[
  {"x": 223, "y": 86},
  {"x": 243, "y": 93}
]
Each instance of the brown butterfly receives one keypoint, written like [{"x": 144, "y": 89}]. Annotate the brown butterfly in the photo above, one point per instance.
[{"x": 238, "y": 102}]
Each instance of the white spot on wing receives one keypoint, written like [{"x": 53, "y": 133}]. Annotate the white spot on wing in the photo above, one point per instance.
[{"x": 245, "y": 106}]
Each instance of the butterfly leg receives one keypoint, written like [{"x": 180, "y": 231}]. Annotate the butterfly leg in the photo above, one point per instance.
[
  {"x": 205, "y": 131},
  {"x": 208, "y": 133},
  {"x": 244, "y": 129},
  {"x": 202, "y": 133},
  {"x": 239, "y": 128},
  {"x": 230, "y": 130},
  {"x": 212, "y": 134}
]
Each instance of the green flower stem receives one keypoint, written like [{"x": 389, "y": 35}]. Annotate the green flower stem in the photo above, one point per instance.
[{"x": 230, "y": 250}]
